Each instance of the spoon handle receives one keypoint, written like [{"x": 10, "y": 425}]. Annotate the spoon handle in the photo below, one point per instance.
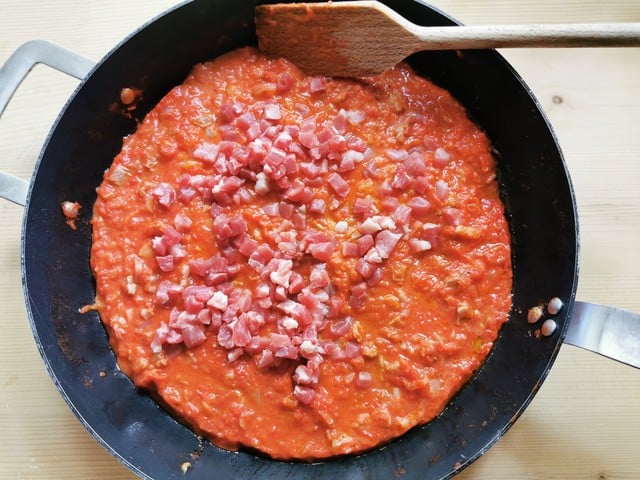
[{"x": 549, "y": 35}]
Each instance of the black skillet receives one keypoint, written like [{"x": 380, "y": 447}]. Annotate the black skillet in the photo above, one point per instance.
[{"x": 57, "y": 279}]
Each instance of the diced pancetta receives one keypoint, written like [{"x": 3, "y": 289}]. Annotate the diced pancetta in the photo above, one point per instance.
[
  {"x": 264, "y": 359},
  {"x": 240, "y": 334},
  {"x": 299, "y": 192},
  {"x": 166, "y": 263},
  {"x": 365, "y": 268},
  {"x": 160, "y": 337},
  {"x": 262, "y": 184},
  {"x": 218, "y": 300},
  {"x": 342, "y": 327},
  {"x": 451, "y": 216},
  {"x": 284, "y": 82},
  {"x": 395, "y": 155},
  {"x": 417, "y": 245},
  {"x": 186, "y": 194},
  {"x": 430, "y": 143},
  {"x": 317, "y": 84},
  {"x": 245, "y": 244},
  {"x": 364, "y": 244},
  {"x": 363, "y": 207},
  {"x": 167, "y": 291},
  {"x": 203, "y": 267},
  {"x": 193, "y": 335},
  {"x": 257, "y": 345},
  {"x": 304, "y": 395},
  {"x": 441, "y": 189},
  {"x": 349, "y": 159},
  {"x": 206, "y": 152},
  {"x": 272, "y": 112},
  {"x": 352, "y": 350},
  {"x": 182, "y": 223},
  {"x": 364, "y": 380},
  {"x": 230, "y": 110},
  {"x": 356, "y": 143},
  {"x": 303, "y": 375},
  {"x": 420, "y": 206},
  {"x": 227, "y": 184},
  {"x": 385, "y": 189},
  {"x": 373, "y": 256},
  {"x": 201, "y": 293},
  {"x": 204, "y": 316},
  {"x": 341, "y": 227},
  {"x": 310, "y": 170},
  {"x": 319, "y": 277},
  {"x": 355, "y": 117},
  {"x": 358, "y": 294},
  {"x": 369, "y": 226},
  {"x": 415, "y": 164},
  {"x": 421, "y": 184},
  {"x": 389, "y": 204},
  {"x": 282, "y": 273},
  {"x": 340, "y": 120},
  {"x": 225, "y": 336},
  {"x": 385, "y": 242},
  {"x": 401, "y": 215},
  {"x": 317, "y": 205},
  {"x": 321, "y": 251},
  {"x": 429, "y": 232},
  {"x": 225, "y": 227},
  {"x": 338, "y": 184},
  {"x": 164, "y": 194},
  {"x": 296, "y": 283},
  {"x": 401, "y": 180},
  {"x": 350, "y": 249},
  {"x": 245, "y": 121},
  {"x": 441, "y": 157}
]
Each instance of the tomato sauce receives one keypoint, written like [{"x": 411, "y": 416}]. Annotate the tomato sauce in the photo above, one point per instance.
[{"x": 302, "y": 265}]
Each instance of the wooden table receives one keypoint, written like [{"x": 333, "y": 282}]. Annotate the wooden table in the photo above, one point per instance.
[{"x": 585, "y": 421}]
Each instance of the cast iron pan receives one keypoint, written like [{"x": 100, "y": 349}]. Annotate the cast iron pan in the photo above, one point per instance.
[{"x": 129, "y": 424}]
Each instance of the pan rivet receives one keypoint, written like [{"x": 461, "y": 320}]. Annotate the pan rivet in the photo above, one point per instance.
[
  {"x": 548, "y": 327},
  {"x": 554, "y": 305}
]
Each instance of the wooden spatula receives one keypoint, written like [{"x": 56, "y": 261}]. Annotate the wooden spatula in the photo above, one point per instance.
[{"x": 363, "y": 38}]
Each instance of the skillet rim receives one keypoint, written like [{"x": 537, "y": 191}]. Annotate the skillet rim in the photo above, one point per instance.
[{"x": 33, "y": 308}]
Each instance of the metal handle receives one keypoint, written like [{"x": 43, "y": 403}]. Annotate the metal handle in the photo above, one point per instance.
[
  {"x": 608, "y": 331},
  {"x": 13, "y": 72}
]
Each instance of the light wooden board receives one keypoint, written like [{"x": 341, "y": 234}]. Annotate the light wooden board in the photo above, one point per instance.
[{"x": 585, "y": 421}]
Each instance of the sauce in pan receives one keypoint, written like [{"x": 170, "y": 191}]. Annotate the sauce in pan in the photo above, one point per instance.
[{"x": 302, "y": 265}]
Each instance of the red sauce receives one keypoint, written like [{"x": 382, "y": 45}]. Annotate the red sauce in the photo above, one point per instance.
[{"x": 305, "y": 266}]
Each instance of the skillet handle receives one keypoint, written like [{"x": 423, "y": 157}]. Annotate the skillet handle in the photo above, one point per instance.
[
  {"x": 13, "y": 72},
  {"x": 609, "y": 331}
]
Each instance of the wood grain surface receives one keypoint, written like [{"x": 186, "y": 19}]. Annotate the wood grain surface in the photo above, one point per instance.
[{"x": 585, "y": 421}]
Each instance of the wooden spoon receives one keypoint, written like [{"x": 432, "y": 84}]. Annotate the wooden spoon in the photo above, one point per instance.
[{"x": 363, "y": 38}]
